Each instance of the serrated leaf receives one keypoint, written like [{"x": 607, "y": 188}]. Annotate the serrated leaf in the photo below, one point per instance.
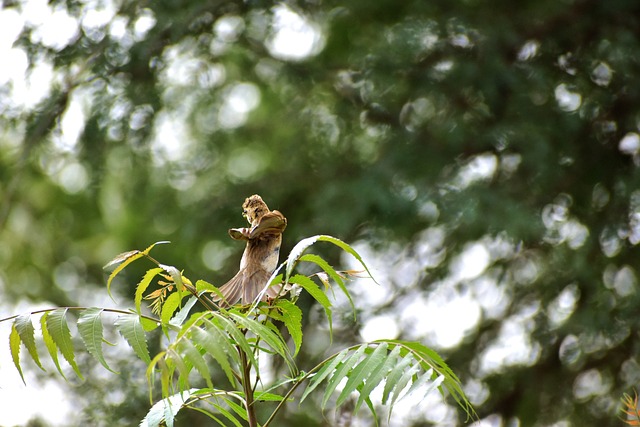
[
  {"x": 317, "y": 294},
  {"x": 394, "y": 376},
  {"x": 325, "y": 371},
  {"x": 179, "y": 318},
  {"x": 267, "y": 335},
  {"x": 14, "y": 346},
  {"x": 129, "y": 257},
  {"x": 169, "y": 307},
  {"x": 228, "y": 415},
  {"x": 341, "y": 372},
  {"x": 158, "y": 360},
  {"x": 126, "y": 258},
  {"x": 237, "y": 338},
  {"x": 49, "y": 343},
  {"x": 131, "y": 329},
  {"x": 365, "y": 367},
  {"x": 291, "y": 315},
  {"x": 267, "y": 397},
  {"x": 331, "y": 272},
  {"x": 215, "y": 343},
  {"x": 90, "y": 329},
  {"x": 295, "y": 253},
  {"x": 143, "y": 285},
  {"x": 239, "y": 410},
  {"x": 59, "y": 330},
  {"x": 204, "y": 286},
  {"x": 151, "y": 246},
  {"x": 427, "y": 378},
  {"x": 430, "y": 359},
  {"x": 25, "y": 330},
  {"x": 191, "y": 354},
  {"x": 175, "y": 275},
  {"x": 183, "y": 368},
  {"x": 403, "y": 381},
  {"x": 376, "y": 376},
  {"x": 347, "y": 248},
  {"x": 149, "y": 324},
  {"x": 166, "y": 410},
  {"x": 120, "y": 258},
  {"x": 320, "y": 262}
]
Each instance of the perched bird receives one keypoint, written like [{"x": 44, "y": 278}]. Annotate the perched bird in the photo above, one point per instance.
[{"x": 260, "y": 257}]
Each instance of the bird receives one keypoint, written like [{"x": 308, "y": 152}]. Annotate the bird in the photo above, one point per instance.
[{"x": 260, "y": 258}]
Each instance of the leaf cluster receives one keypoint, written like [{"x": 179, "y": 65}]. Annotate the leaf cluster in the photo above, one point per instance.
[{"x": 231, "y": 340}]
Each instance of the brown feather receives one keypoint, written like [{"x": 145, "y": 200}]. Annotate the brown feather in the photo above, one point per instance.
[{"x": 260, "y": 257}]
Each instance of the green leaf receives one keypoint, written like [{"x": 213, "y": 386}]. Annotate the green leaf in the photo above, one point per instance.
[
  {"x": 332, "y": 273},
  {"x": 166, "y": 410},
  {"x": 127, "y": 258},
  {"x": 25, "y": 330},
  {"x": 183, "y": 368},
  {"x": 341, "y": 372},
  {"x": 362, "y": 371},
  {"x": 90, "y": 329},
  {"x": 430, "y": 359},
  {"x": 228, "y": 415},
  {"x": 291, "y": 315},
  {"x": 158, "y": 362},
  {"x": 149, "y": 324},
  {"x": 131, "y": 329},
  {"x": 179, "y": 318},
  {"x": 302, "y": 245},
  {"x": 151, "y": 246},
  {"x": 404, "y": 380},
  {"x": 215, "y": 343},
  {"x": 143, "y": 285},
  {"x": 14, "y": 346},
  {"x": 261, "y": 396},
  {"x": 267, "y": 335},
  {"x": 394, "y": 376},
  {"x": 317, "y": 294},
  {"x": 49, "y": 343},
  {"x": 328, "y": 366},
  {"x": 193, "y": 356},
  {"x": 204, "y": 286},
  {"x": 423, "y": 379},
  {"x": 239, "y": 410},
  {"x": 345, "y": 247},
  {"x": 326, "y": 267},
  {"x": 237, "y": 338},
  {"x": 120, "y": 258},
  {"x": 175, "y": 275},
  {"x": 169, "y": 307},
  {"x": 376, "y": 376},
  {"x": 59, "y": 330},
  {"x": 295, "y": 253}
]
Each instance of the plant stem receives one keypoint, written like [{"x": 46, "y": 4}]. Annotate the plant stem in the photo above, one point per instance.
[{"x": 248, "y": 389}]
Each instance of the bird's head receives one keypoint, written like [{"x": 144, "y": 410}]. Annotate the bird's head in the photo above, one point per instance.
[{"x": 254, "y": 208}]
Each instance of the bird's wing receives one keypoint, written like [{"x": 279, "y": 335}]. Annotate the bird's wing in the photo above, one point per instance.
[
  {"x": 271, "y": 223},
  {"x": 239, "y": 233}
]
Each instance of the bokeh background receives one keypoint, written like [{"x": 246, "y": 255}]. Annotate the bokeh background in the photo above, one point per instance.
[{"x": 482, "y": 156}]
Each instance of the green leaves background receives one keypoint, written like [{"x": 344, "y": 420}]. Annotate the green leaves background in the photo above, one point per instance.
[{"x": 233, "y": 339}]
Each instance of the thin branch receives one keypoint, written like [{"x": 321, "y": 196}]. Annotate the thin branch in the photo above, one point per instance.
[{"x": 108, "y": 310}]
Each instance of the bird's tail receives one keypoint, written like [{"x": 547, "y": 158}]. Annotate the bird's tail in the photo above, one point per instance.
[{"x": 245, "y": 287}]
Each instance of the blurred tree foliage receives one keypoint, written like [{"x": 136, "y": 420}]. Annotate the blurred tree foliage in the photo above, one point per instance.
[{"x": 512, "y": 127}]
